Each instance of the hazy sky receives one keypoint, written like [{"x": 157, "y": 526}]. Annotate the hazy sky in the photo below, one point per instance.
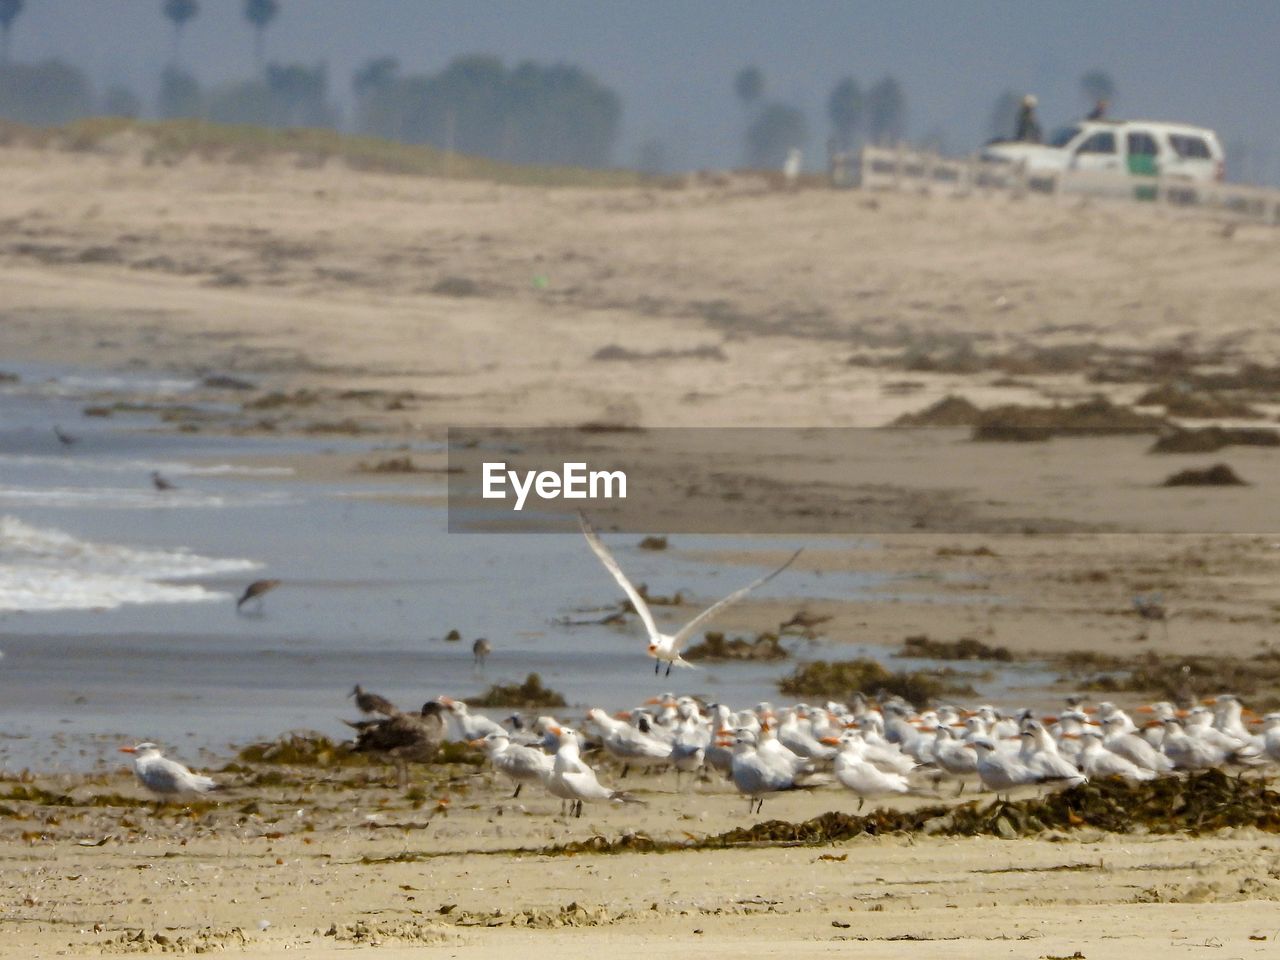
[{"x": 673, "y": 60}]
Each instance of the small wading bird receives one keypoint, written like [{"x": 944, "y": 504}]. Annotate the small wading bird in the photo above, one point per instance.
[
  {"x": 166, "y": 778},
  {"x": 662, "y": 646},
  {"x": 480, "y": 651},
  {"x": 1152, "y": 609},
  {"x": 160, "y": 483},
  {"x": 64, "y": 438},
  {"x": 256, "y": 591},
  {"x": 368, "y": 702}
]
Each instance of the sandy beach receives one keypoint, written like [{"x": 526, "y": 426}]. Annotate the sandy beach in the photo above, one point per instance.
[
  {"x": 385, "y": 309},
  {"x": 333, "y": 861}
]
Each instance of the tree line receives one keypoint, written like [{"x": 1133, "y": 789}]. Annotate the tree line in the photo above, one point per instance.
[{"x": 529, "y": 113}]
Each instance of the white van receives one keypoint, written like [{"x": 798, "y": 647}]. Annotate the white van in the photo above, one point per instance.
[{"x": 1139, "y": 147}]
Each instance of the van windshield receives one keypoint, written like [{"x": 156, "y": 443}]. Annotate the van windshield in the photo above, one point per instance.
[{"x": 1062, "y": 136}]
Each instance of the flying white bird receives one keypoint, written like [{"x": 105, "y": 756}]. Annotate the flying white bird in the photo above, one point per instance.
[
  {"x": 663, "y": 646},
  {"x": 166, "y": 778}
]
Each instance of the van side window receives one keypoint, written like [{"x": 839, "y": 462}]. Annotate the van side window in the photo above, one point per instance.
[
  {"x": 1189, "y": 148},
  {"x": 1101, "y": 142},
  {"x": 1142, "y": 144}
]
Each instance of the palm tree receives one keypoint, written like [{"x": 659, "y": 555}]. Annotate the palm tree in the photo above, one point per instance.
[
  {"x": 886, "y": 111},
  {"x": 844, "y": 107},
  {"x": 180, "y": 11},
  {"x": 9, "y": 10},
  {"x": 748, "y": 85},
  {"x": 260, "y": 13}
]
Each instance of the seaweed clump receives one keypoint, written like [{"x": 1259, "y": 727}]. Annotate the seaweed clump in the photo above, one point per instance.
[
  {"x": 716, "y": 646},
  {"x": 966, "y": 648},
  {"x": 1213, "y": 439},
  {"x": 1178, "y": 679},
  {"x": 522, "y": 696},
  {"x": 845, "y": 678},
  {"x": 1219, "y": 475},
  {"x": 950, "y": 411},
  {"x": 1200, "y": 804},
  {"x": 1180, "y": 401},
  {"x": 302, "y": 750},
  {"x": 1091, "y": 418}
]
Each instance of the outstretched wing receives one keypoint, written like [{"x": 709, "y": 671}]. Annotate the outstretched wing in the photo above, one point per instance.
[
  {"x": 611, "y": 565},
  {"x": 688, "y": 629}
]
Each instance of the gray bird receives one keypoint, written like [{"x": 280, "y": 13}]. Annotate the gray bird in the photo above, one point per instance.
[
  {"x": 255, "y": 591},
  {"x": 404, "y": 738}
]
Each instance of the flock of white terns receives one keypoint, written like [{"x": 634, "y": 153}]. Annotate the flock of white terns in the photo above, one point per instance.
[{"x": 874, "y": 751}]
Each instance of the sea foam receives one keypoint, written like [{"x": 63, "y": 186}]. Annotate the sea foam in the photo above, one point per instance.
[{"x": 46, "y": 569}]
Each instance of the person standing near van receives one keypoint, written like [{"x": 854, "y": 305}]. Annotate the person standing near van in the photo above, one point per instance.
[
  {"x": 1027, "y": 129},
  {"x": 1099, "y": 111}
]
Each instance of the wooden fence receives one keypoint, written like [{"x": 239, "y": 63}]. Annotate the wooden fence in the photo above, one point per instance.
[{"x": 897, "y": 169}]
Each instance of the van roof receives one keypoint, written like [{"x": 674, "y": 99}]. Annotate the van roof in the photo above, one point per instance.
[{"x": 1138, "y": 121}]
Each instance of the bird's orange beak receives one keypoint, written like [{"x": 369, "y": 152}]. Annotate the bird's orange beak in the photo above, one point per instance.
[
  {"x": 556, "y": 730},
  {"x": 831, "y": 741},
  {"x": 1090, "y": 710},
  {"x": 1048, "y": 719},
  {"x": 477, "y": 742},
  {"x": 1146, "y": 708},
  {"x": 653, "y": 701},
  {"x": 128, "y": 749}
]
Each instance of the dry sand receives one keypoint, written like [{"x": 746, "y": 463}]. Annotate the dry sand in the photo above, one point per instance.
[
  {"x": 447, "y": 303},
  {"x": 338, "y": 862}
]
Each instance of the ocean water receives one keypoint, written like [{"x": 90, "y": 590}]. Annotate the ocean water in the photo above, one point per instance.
[{"x": 117, "y": 612}]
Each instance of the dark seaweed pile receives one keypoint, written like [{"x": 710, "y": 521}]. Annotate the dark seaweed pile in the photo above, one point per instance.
[{"x": 1200, "y": 804}]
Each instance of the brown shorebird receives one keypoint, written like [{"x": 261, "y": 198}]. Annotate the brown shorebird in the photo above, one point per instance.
[
  {"x": 160, "y": 483},
  {"x": 1152, "y": 609},
  {"x": 64, "y": 438},
  {"x": 255, "y": 591},
  {"x": 373, "y": 703},
  {"x": 480, "y": 650},
  {"x": 404, "y": 738}
]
